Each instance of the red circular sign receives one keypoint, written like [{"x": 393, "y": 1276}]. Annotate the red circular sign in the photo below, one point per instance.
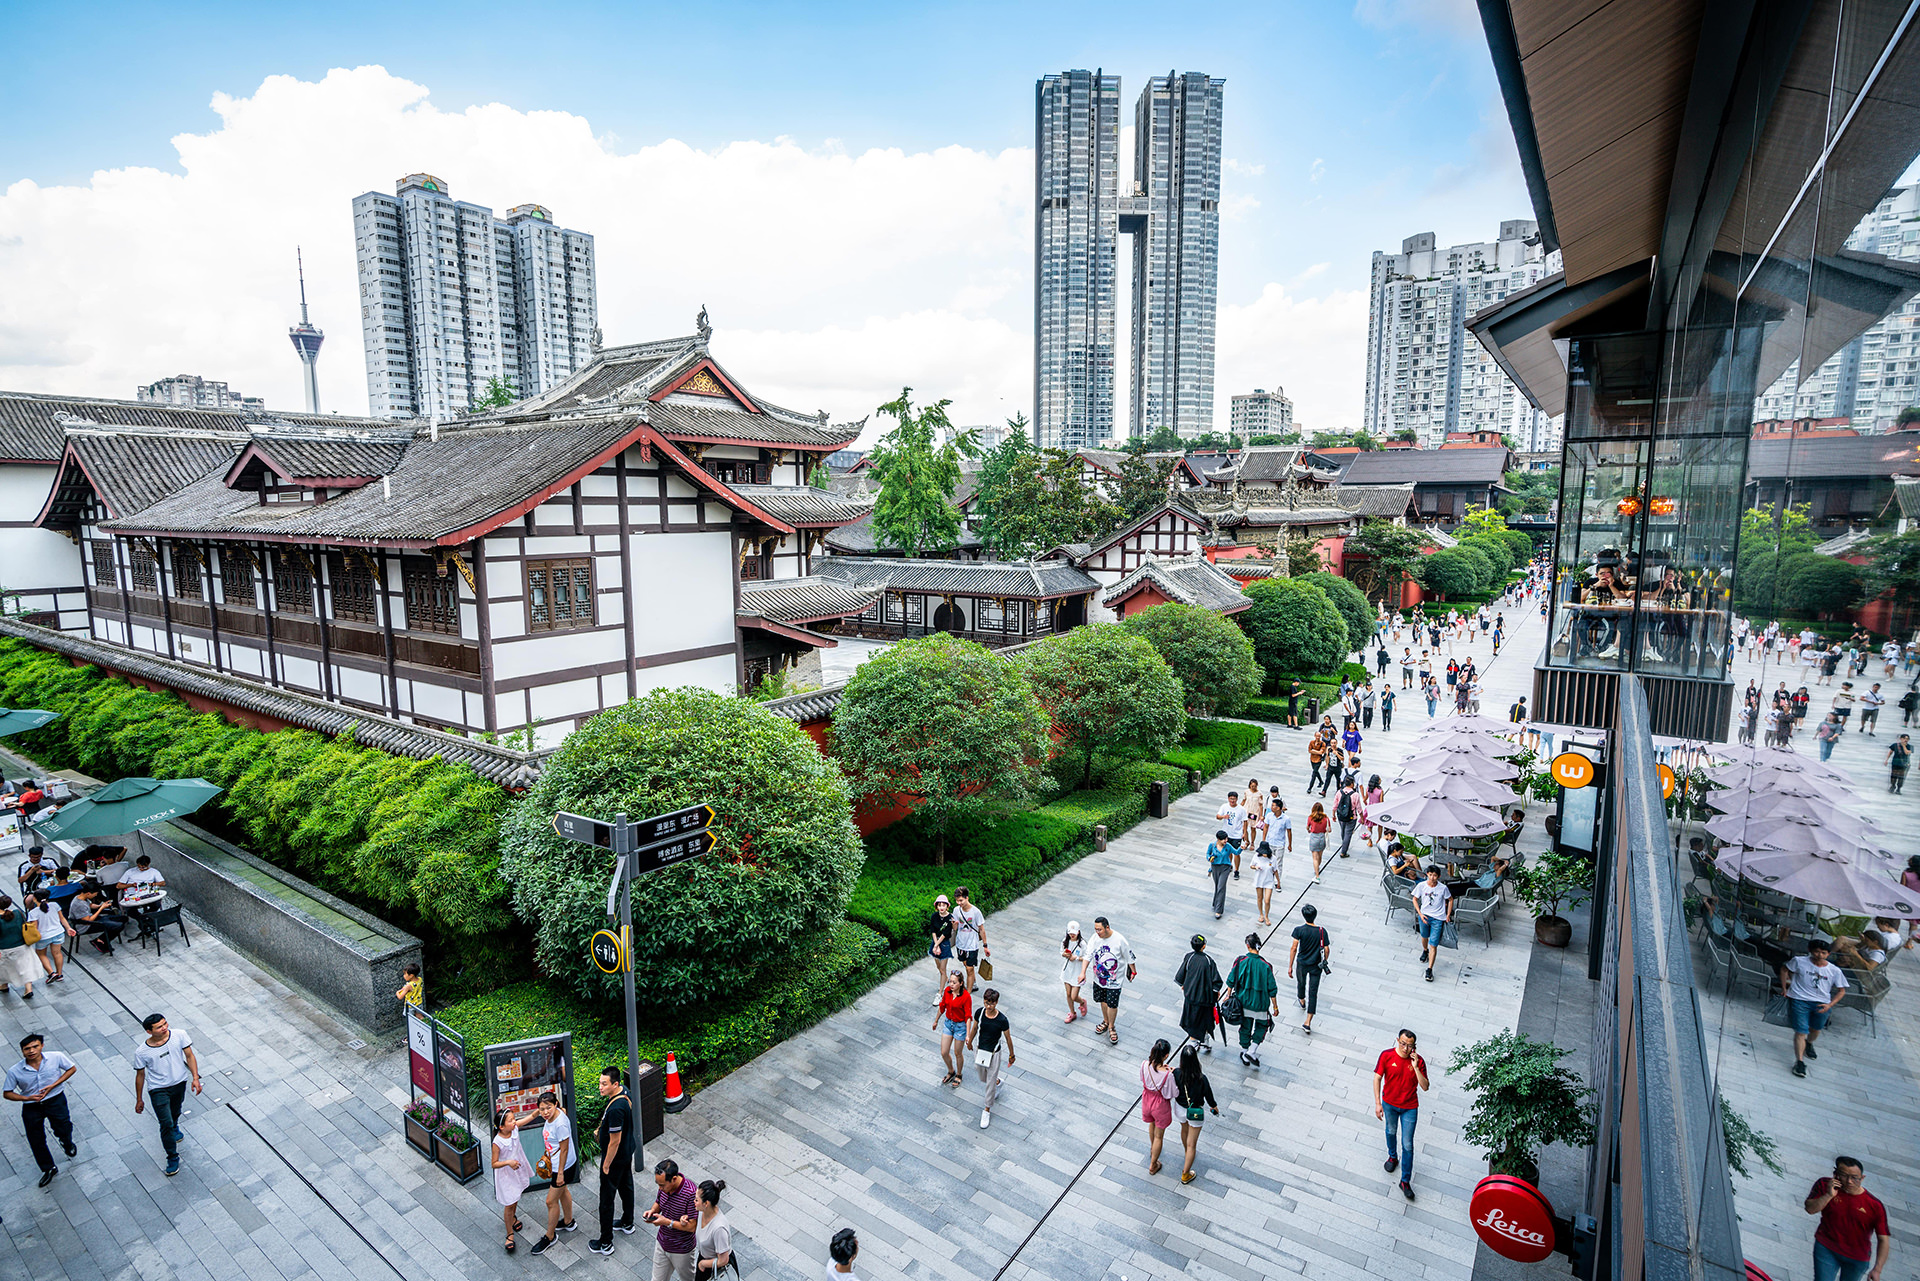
[{"x": 1513, "y": 1218}]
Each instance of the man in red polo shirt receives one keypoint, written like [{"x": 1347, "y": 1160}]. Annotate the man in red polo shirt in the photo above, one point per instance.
[
  {"x": 1398, "y": 1078},
  {"x": 1850, "y": 1218}
]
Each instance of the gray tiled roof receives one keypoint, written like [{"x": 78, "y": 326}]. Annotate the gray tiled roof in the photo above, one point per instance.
[
  {"x": 438, "y": 487},
  {"x": 856, "y": 538},
  {"x": 804, "y": 600},
  {"x": 959, "y": 578},
  {"x": 304, "y": 456},
  {"x": 803, "y": 505},
  {"x": 1191, "y": 581},
  {"x": 629, "y": 373},
  {"x": 1426, "y": 466},
  {"x": 723, "y": 423},
  {"x": 1382, "y": 501},
  {"x": 1265, "y": 517},
  {"x": 814, "y": 705},
  {"x": 1894, "y": 454},
  {"x": 502, "y": 765},
  {"x": 30, "y": 423},
  {"x": 134, "y": 468}
]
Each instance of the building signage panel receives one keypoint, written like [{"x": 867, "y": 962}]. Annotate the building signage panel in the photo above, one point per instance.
[{"x": 1512, "y": 1217}]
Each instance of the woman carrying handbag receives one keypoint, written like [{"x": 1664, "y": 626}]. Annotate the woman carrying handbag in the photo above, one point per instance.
[
  {"x": 1193, "y": 1094},
  {"x": 1156, "y": 1100}
]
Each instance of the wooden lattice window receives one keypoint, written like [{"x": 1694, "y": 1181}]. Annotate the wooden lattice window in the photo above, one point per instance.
[
  {"x": 433, "y": 600},
  {"x": 186, "y": 571},
  {"x": 738, "y": 471},
  {"x": 105, "y": 573},
  {"x": 292, "y": 584},
  {"x": 559, "y": 595},
  {"x": 236, "y": 576},
  {"x": 141, "y": 568},
  {"x": 352, "y": 587}
]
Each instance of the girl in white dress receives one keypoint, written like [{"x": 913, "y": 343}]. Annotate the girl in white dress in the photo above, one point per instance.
[
  {"x": 1073, "y": 957},
  {"x": 1263, "y": 880}
]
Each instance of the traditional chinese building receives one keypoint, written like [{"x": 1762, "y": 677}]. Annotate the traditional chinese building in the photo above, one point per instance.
[
  {"x": 995, "y": 603},
  {"x": 645, "y": 523}
]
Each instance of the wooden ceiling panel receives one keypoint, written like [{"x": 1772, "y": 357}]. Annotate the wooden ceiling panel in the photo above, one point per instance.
[
  {"x": 1609, "y": 207},
  {"x": 1601, "y": 80},
  {"x": 1536, "y": 22}
]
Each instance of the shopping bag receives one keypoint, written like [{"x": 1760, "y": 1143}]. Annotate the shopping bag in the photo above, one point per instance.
[
  {"x": 1449, "y": 937},
  {"x": 1779, "y": 1012}
]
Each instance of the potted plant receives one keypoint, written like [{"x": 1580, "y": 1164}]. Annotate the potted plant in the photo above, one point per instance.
[
  {"x": 1522, "y": 1100},
  {"x": 1549, "y": 883},
  {"x": 421, "y": 1117},
  {"x": 457, "y": 1151}
]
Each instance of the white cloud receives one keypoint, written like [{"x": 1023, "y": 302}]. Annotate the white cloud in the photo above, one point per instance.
[
  {"x": 1453, "y": 17},
  {"x": 1318, "y": 171},
  {"x": 1242, "y": 168},
  {"x": 1314, "y": 347},
  {"x": 832, "y": 279}
]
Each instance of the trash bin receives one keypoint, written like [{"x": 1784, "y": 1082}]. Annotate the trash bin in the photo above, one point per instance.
[
  {"x": 1310, "y": 710},
  {"x": 1157, "y": 799},
  {"x": 651, "y": 1096}
]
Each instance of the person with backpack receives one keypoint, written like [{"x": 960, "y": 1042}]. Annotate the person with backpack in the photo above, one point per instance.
[
  {"x": 1366, "y": 706},
  {"x": 1220, "y": 856},
  {"x": 1346, "y": 812},
  {"x": 1309, "y": 958},
  {"x": 1256, "y": 1000}
]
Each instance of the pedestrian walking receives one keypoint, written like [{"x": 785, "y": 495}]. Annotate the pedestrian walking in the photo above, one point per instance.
[
  {"x": 1073, "y": 964},
  {"x": 1252, "y": 981},
  {"x": 1156, "y": 1100},
  {"x": 1433, "y": 907},
  {"x": 951, "y": 1012},
  {"x": 1279, "y": 834},
  {"x": 1381, "y": 657},
  {"x": 1367, "y": 698},
  {"x": 1828, "y": 734},
  {"x": 512, "y": 1172},
  {"x": 1199, "y": 980},
  {"x": 940, "y": 936},
  {"x": 1518, "y": 712},
  {"x": 1899, "y": 756},
  {"x": 1431, "y": 691},
  {"x": 1318, "y": 825},
  {"x": 1219, "y": 862},
  {"x": 712, "y": 1235},
  {"x": 1386, "y": 709},
  {"x": 17, "y": 964},
  {"x": 1233, "y": 815},
  {"x": 1346, "y": 812},
  {"x": 969, "y": 933},
  {"x": 1813, "y": 986},
  {"x": 1853, "y": 1240},
  {"x": 1398, "y": 1077},
  {"x": 841, "y": 1252},
  {"x": 1909, "y": 703},
  {"x": 560, "y": 1162},
  {"x": 50, "y": 925},
  {"x": 1110, "y": 961},
  {"x": 1374, "y": 796},
  {"x": 163, "y": 1066},
  {"x": 1264, "y": 881},
  {"x": 38, "y": 1083},
  {"x": 616, "y": 1160},
  {"x": 991, "y": 1043},
  {"x": 1310, "y": 956},
  {"x": 676, "y": 1213},
  {"x": 1193, "y": 1095},
  {"x": 1316, "y": 756}
]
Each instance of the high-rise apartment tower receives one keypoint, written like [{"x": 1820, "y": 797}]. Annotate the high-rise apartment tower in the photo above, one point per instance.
[
  {"x": 1424, "y": 371},
  {"x": 451, "y": 297},
  {"x": 1171, "y": 208}
]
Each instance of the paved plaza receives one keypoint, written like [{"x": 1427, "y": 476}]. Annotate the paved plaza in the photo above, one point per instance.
[{"x": 295, "y": 1166}]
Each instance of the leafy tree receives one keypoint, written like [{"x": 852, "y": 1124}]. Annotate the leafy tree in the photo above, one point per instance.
[
  {"x": 1522, "y": 1099},
  {"x": 1044, "y": 501},
  {"x": 1769, "y": 529},
  {"x": 821, "y": 477},
  {"x": 1742, "y": 1139},
  {"x": 1520, "y": 544},
  {"x": 1164, "y": 439},
  {"x": 1482, "y": 520},
  {"x": 775, "y": 885},
  {"x": 1499, "y": 556},
  {"x": 1893, "y": 565},
  {"x": 999, "y": 516},
  {"x": 1268, "y": 438},
  {"x": 1355, "y": 612},
  {"x": 1392, "y": 553},
  {"x": 1485, "y": 572},
  {"x": 498, "y": 395},
  {"x": 1451, "y": 571},
  {"x": 1210, "y": 654},
  {"x": 1143, "y": 482},
  {"x": 1107, "y": 689},
  {"x": 918, "y": 466},
  {"x": 1295, "y": 627},
  {"x": 1754, "y": 581},
  {"x": 1303, "y": 556},
  {"x": 1534, "y": 492},
  {"x": 1814, "y": 584},
  {"x": 1405, "y": 433},
  {"x": 945, "y": 723}
]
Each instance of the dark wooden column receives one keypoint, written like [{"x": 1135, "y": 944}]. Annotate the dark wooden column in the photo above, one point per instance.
[{"x": 386, "y": 625}]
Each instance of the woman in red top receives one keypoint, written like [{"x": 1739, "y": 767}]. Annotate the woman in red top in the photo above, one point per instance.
[
  {"x": 1318, "y": 825},
  {"x": 951, "y": 1014}
]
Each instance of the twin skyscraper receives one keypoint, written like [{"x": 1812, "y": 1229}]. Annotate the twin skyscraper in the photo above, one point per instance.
[{"x": 1171, "y": 208}]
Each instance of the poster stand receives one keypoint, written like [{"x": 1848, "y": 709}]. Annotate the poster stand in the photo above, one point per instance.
[
  {"x": 438, "y": 1122},
  {"x": 518, "y": 1072}
]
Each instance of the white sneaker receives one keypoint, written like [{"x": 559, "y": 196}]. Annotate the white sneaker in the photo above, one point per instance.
[{"x": 985, "y": 1116}]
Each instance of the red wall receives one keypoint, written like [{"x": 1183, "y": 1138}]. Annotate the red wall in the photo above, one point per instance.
[{"x": 1146, "y": 598}]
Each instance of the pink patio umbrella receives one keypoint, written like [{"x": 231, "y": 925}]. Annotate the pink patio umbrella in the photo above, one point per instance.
[
  {"x": 1473, "y": 721},
  {"x": 1832, "y": 878},
  {"x": 1484, "y": 767},
  {"x": 1783, "y": 760},
  {"x": 1779, "y": 832},
  {"x": 1458, "y": 786},
  {"x": 1431, "y": 814}
]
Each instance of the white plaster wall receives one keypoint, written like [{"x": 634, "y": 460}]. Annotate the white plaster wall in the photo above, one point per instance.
[
  {"x": 367, "y": 687},
  {"x": 682, "y": 592},
  {"x": 245, "y": 660},
  {"x": 712, "y": 673},
  {"x": 32, "y": 557},
  {"x": 556, "y": 651},
  {"x": 301, "y": 673},
  {"x": 598, "y": 486},
  {"x": 565, "y": 700},
  {"x": 436, "y": 701}
]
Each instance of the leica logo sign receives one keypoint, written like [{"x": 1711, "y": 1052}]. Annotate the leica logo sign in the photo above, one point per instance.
[
  {"x": 1497, "y": 1222},
  {"x": 1512, "y": 1217}
]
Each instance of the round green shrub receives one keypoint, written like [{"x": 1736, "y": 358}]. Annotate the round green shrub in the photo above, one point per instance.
[
  {"x": 775, "y": 885},
  {"x": 1295, "y": 627},
  {"x": 1208, "y": 652},
  {"x": 1352, "y": 603}
]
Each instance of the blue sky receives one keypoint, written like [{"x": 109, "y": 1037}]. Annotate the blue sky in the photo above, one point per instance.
[{"x": 1347, "y": 129}]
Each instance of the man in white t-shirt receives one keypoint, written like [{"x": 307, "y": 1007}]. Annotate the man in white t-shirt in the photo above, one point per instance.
[
  {"x": 142, "y": 875},
  {"x": 1233, "y": 816},
  {"x": 969, "y": 933},
  {"x": 1870, "y": 704},
  {"x": 556, "y": 1135},
  {"x": 35, "y": 871},
  {"x": 1812, "y": 986},
  {"x": 1110, "y": 961},
  {"x": 1433, "y": 908},
  {"x": 163, "y": 1065}
]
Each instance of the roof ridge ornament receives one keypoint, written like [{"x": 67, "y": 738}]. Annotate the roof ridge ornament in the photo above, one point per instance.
[{"x": 701, "y": 327}]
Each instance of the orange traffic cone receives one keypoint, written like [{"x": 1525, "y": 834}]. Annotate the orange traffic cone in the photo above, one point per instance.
[{"x": 676, "y": 1097}]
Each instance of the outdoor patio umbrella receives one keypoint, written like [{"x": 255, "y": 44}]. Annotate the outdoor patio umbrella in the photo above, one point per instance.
[
  {"x": 1431, "y": 814},
  {"x": 125, "y": 806},
  {"x": 1473, "y": 721},
  {"x": 1482, "y": 767},
  {"x": 15, "y": 720},
  {"x": 1458, "y": 787},
  {"x": 1780, "y": 832},
  {"x": 1759, "y": 780},
  {"x": 1782, "y": 760},
  {"x": 1831, "y": 878},
  {"x": 1821, "y": 809},
  {"x": 1461, "y": 745}
]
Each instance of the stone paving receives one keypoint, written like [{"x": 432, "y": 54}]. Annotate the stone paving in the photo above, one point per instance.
[{"x": 295, "y": 1165}]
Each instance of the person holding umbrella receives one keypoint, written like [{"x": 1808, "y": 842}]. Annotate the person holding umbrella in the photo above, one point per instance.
[{"x": 1199, "y": 980}]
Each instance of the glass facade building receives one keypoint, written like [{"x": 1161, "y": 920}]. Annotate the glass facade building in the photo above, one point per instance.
[{"x": 1075, "y": 257}]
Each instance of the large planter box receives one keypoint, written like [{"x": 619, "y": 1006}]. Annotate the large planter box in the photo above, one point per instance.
[
  {"x": 419, "y": 1137},
  {"x": 462, "y": 1163}
]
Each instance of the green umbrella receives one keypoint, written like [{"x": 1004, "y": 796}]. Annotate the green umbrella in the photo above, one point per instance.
[
  {"x": 125, "y": 806},
  {"x": 15, "y": 721}
]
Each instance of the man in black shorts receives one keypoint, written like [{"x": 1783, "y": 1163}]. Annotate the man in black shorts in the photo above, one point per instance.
[
  {"x": 1110, "y": 961},
  {"x": 1293, "y": 706}
]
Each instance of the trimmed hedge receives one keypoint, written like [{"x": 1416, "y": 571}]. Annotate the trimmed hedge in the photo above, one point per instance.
[
  {"x": 794, "y": 998},
  {"x": 1212, "y": 746}
]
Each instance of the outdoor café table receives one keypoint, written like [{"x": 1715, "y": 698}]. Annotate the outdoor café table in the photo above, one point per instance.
[{"x": 140, "y": 903}]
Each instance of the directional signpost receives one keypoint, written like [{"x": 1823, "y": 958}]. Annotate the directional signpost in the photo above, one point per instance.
[{"x": 638, "y": 848}]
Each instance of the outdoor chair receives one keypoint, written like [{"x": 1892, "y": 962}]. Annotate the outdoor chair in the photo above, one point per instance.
[
  {"x": 1719, "y": 953},
  {"x": 1399, "y": 895},
  {"x": 1476, "y": 911},
  {"x": 1865, "y": 990},
  {"x": 151, "y": 926},
  {"x": 1748, "y": 968}
]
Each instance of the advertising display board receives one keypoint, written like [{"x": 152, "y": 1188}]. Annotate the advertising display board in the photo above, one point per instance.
[
  {"x": 450, "y": 1073},
  {"x": 420, "y": 1051},
  {"x": 518, "y": 1073}
]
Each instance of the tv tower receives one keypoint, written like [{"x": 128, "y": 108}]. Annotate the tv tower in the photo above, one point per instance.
[{"x": 307, "y": 340}]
